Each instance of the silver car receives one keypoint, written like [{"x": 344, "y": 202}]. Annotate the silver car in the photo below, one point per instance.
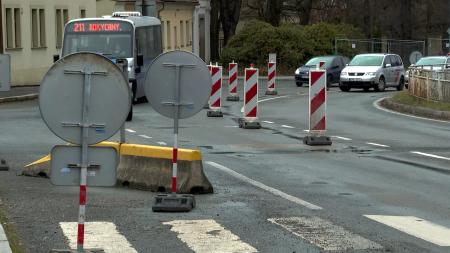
[{"x": 376, "y": 71}]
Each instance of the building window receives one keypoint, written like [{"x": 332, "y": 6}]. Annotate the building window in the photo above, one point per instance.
[
  {"x": 188, "y": 34},
  {"x": 37, "y": 28},
  {"x": 13, "y": 28},
  {"x": 169, "y": 41},
  {"x": 82, "y": 13},
  {"x": 61, "y": 18},
  {"x": 182, "y": 42},
  {"x": 175, "y": 37},
  {"x": 163, "y": 36}
]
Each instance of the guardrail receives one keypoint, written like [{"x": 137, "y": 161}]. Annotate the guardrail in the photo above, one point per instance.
[{"x": 432, "y": 85}]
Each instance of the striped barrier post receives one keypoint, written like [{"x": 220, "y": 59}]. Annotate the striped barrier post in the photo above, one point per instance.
[
  {"x": 271, "y": 76},
  {"x": 233, "y": 82},
  {"x": 250, "y": 119},
  {"x": 207, "y": 104},
  {"x": 215, "y": 101},
  {"x": 317, "y": 107}
]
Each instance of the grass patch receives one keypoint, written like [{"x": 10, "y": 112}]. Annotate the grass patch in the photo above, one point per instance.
[
  {"x": 14, "y": 240},
  {"x": 406, "y": 99}
]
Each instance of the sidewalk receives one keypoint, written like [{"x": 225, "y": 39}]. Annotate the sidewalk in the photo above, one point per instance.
[{"x": 19, "y": 93}]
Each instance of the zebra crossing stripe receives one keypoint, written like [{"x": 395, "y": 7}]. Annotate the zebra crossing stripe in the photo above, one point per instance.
[
  {"x": 324, "y": 234},
  {"x": 208, "y": 236},
  {"x": 416, "y": 227},
  {"x": 98, "y": 235}
]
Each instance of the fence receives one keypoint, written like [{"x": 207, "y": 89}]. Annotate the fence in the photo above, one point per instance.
[
  {"x": 409, "y": 50},
  {"x": 432, "y": 85}
]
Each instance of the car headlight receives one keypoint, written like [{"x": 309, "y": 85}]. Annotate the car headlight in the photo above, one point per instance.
[
  {"x": 371, "y": 74},
  {"x": 297, "y": 71},
  {"x": 344, "y": 73}
]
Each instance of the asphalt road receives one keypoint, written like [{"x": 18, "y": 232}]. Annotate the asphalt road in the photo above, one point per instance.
[{"x": 383, "y": 186}]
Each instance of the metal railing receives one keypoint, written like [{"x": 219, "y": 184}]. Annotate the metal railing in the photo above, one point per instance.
[{"x": 432, "y": 85}]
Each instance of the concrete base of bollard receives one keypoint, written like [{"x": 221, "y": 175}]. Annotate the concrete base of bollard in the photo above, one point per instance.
[
  {"x": 147, "y": 168},
  {"x": 247, "y": 124},
  {"x": 174, "y": 203},
  {"x": 233, "y": 98},
  {"x": 76, "y": 251},
  {"x": 155, "y": 174},
  {"x": 212, "y": 113},
  {"x": 312, "y": 140},
  {"x": 271, "y": 92}
]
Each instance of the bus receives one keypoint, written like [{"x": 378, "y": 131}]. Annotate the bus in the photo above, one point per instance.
[{"x": 124, "y": 35}]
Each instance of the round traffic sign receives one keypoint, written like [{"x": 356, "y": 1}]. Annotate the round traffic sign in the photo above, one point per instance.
[
  {"x": 68, "y": 82},
  {"x": 188, "y": 94}
]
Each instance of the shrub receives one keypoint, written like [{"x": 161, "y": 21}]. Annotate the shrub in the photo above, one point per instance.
[{"x": 293, "y": 44}]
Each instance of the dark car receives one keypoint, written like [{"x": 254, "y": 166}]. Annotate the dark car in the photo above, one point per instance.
[{"x": 333, "y": 63}]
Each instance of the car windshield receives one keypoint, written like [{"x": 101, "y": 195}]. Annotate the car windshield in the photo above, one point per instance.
[
  {"x": 367, "y": 60},
  {"x": 431, "y": 61},
  {"x": 316, "y": 60}
]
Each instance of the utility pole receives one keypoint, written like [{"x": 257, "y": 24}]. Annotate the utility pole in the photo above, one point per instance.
[{"x": 1, "y": 28}]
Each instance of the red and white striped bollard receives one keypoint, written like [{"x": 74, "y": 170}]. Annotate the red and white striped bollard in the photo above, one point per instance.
[
  {"x": 233, "y": 82},
  {"x": 271, "y": 78},
  {"x": 215, "y": 101},
  {"x": 250, "y": 119},
  {"x": 317, "y": 107}
]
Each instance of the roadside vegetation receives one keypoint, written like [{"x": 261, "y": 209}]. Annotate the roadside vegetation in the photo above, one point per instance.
[
  {"x": 13, "y": 238},
  {"x": 406, "y": 99},
  {"x": 293, "y": 44}
]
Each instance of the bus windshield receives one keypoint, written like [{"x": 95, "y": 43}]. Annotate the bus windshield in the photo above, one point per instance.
[{"x": 112, "y": 39}]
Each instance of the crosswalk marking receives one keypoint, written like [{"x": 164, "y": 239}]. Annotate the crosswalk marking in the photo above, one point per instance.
[
  {"x": 208, "y": 236},
  {"x": 417, "y": 227},
  {"x": 324, "y": 234},
  {"x": 98, "y": 235},
  {"x": 4, "y": 244}
]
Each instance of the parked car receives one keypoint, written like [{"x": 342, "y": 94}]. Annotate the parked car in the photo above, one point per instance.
[
  {"x": 333, "y": 63},
  {"x": 429, "y": 62},
  {"x": 376, "y": 71}
]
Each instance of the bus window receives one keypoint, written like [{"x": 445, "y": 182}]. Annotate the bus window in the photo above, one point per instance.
[{"x": 149, "y": 41}]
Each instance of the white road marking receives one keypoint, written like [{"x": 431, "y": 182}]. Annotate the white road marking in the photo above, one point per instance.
[
  {"x": 306, "y": 131},
  {"x": 287, "y": 126},
  {"x": 162, "y": 143},
  {"x": 324, "y": 234},
  {"x": 98, "y": 235},
  {"x": 267, "y": 99},
  {"x": 4, "y": 244},
  {"x": 376, "y": 105},
  {"x": 231, "y": 126},
  {"x": 208, "y": 236},
  {"x": 342, "y": 138},
  {"x": 145, "y": 136},
  {"x": 130, "y": 130},
  {"x": 417, "y": 227},
  {"x": 268, "y": 122},
  {"x": 377, "y": 144},
  {"x": 264, "y": 187},
  {"x": 431, "y": 155}
]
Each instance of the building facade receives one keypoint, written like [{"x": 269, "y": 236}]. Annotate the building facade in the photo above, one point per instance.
[{"x": 33, "y": 31}]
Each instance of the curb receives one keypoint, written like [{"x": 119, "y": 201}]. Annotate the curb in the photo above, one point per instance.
[
  {"x": 19, "y": 98},
  {"x": 415, "y": 110}
]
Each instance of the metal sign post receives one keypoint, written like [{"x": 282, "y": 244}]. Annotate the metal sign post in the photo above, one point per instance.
[
  {"x": 85, "y": 114},
  {"x": 178, "y": 84}
]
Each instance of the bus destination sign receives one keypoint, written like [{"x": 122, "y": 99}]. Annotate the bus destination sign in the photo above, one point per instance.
[{"x": 96, "y": 27}]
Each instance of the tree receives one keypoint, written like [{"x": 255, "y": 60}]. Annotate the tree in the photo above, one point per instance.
[
  {"x": 268, "y": 10},
  {"x": 230, "y": 11},
  {"x": 214, "y": 29}
]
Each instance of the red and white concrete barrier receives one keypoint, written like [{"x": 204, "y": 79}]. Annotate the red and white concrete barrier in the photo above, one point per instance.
[
  {"x": 250, "y": 119},
  {"x": 317, "y": 107},
  {"x": 271, "y": 77},
  {"x": 215, "y": 101},
  {"x": 233, "y": 82}
]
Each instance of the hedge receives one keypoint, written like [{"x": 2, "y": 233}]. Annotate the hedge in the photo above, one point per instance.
[{"x": 293, "y": 44}]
